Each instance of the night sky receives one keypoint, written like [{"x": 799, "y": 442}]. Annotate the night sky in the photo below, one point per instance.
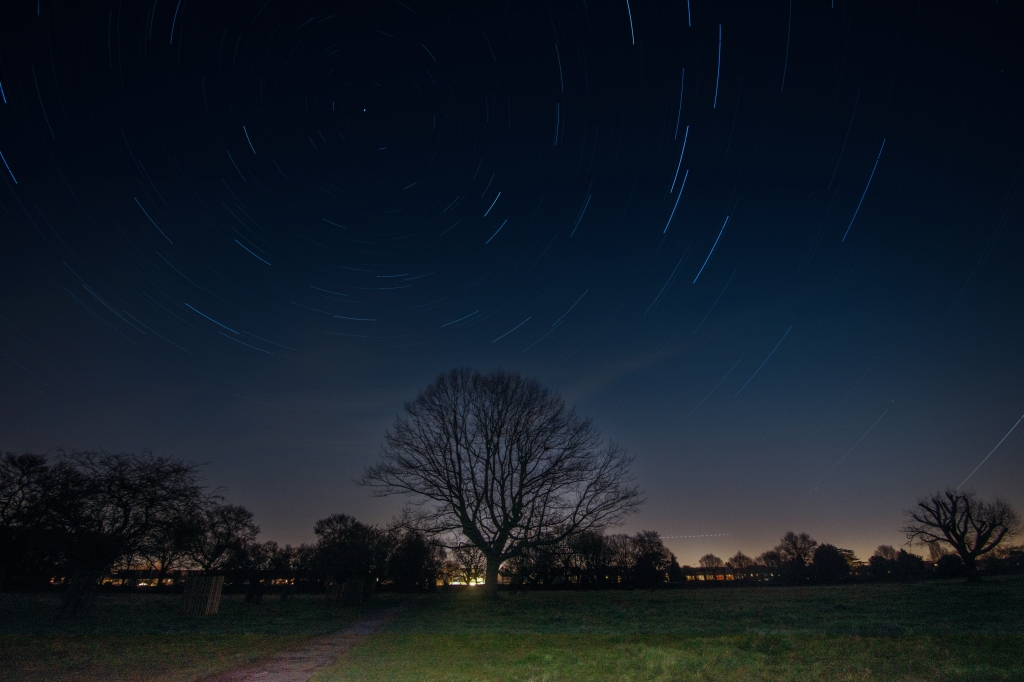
[{"x": 774, "y": 249}]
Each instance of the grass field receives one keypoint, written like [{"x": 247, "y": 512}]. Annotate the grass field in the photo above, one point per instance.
[
  {"x": 930, "y": 631},
  {"x": 143, "y": 637}
]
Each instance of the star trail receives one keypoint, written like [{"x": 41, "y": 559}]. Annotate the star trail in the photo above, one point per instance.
[{"x": 247, "y": 233}]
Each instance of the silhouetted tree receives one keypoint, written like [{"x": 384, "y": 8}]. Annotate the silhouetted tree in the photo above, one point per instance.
[
  {"x": 254, "y": 563},
  {"x": 227, "y": 530},
  {"x": 888, "y": 564},
  {"x": 503, "y": 462},
  {"x": 23, "y": 488},
  {"x": 791, "y": 556},
  {"x": 972, "y": 527},
  {"x": 472, "y": 564},
  {"x": 710, "y": 561},
  {"x": 739, "y": 561},
  {"x": 347, "y": 548},
  {"x": 949, "y": 566},
  {"x": 1004, "y": 560},
  {"x": 285, "y": 563},
  {"x": 797, "y": 549},
  {"x": 590, "y": 558},
  {"x": 771, "y": 559},
  {"x": 651, "y": 560},
  {"x": 173, "y": 540},
  {"x": 416, "y": 563},
  {"x": 909, "y": 567},
  {"x": 851, "y": 558},
  {"x": 886, "y": 552},
  {"x": 103, "y": 508},
  {"x": 829, "y": 565},
  {"x": 619, "y": 549},
  {"x": 882, "y": 564},
  {"x": 936, "y": 551},
  {"x": 541, "y": 565}
]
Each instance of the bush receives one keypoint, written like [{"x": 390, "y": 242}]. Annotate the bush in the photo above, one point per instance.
[
  {"x": 949, "y": 566},
  {"x": 829, "y": 565},
  {"x": 909, "y": 567}
]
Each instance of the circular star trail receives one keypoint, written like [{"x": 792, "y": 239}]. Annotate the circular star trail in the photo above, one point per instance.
[{"x": 772, "y": 248}]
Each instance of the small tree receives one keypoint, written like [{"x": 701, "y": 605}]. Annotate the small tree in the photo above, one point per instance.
[
  {"x": 24, "y": 484},
  {"x": 885, "y": 552},
  {"x": 226, "y": 532},
  {"x": 347, "y": 548},
  {"x": 797, "y": 549},
  {"x": 172, "y": 542},
  {"x": 739, "y": 561},
  {"x": 882, "y": 564},
  {"x": 472, "y": 564},
  {"x": 829, "y": 564},
  {"x": 710, "y": 561},
  {"x": 909, "y": 567},
  {"x": 416, "y": 563},
  {"x": 503, "y": 463},
  {"x": 652, "y": 561},
  {"x": 589, "y": 558},
  {"x": 103, "y": 509},
  {"x": 771, "y": 559},
  {"x": 972, "y": 527}
]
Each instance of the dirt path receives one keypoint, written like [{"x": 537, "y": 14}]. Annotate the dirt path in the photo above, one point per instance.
[{"x": 299, "y": 663}]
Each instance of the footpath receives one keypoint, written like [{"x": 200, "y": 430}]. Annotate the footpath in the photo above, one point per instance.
[{"x": 299, "y": 663}]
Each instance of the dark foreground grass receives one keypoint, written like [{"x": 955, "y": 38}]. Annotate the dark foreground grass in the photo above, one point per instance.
[
  {"x": 639, "y": 658},
  {"x": 137, "y": 637},
  {"x": 929, "y": 631}
]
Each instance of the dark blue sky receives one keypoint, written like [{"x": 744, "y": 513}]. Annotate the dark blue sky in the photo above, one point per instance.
[{"x": 247, "y": 233}]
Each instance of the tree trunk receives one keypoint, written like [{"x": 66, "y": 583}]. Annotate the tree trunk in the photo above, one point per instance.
[
  {"x": 254, "y": 593},
  {"x": 369, "y": 588},
  {"x": 491, "y": 576},
  {"x": 971, "y": 569},
  {"x": 81, "y": 593}
]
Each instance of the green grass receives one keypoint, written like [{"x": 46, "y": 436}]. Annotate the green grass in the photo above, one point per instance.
[
  {"x": 143, "y": 637},
  {"x": 936, "y": 630},
  {"x": 929, "y": 631},
  {"x": 165, "y": 657},
  {"x": 564, "y": 658}
]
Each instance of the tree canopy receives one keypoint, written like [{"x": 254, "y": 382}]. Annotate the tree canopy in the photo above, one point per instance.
[
  {"x": 971, "y": 526},
  {"x": 502, "y": 462}
]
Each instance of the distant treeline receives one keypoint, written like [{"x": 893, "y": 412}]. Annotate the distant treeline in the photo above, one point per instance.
[
  {"x": 641, "y": 560},
  {"x": 81, "y": 518},
  {"x": 85, "y": 518}
]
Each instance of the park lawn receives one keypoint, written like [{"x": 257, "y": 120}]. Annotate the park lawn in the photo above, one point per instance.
[
  {"x": 936, "y": 630},
  {"x": 641, "y": 658},
  {"x": 158, "y": 657},
  {"x": 131, "y": 637}
]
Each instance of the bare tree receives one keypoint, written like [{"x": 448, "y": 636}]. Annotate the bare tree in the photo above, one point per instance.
[
  {"x": 771, "y": 559},
  {"x": 710, "y": 561},
  {"x": 503, "y": 462},
  {"x": 886, "y": 553},
  {"x": 936, "y": 551},
  {"x": 471, "y": 564},
  {"x": 797, "y": 549},
  {"x": 104, "y": 508},
  {"x": 740, "y": 561},
  {"x": 23, "y": 487},
  {"x": 651, "y": 560},
  {"x": 972, "y": 527},
  {"x": 226, "y": 530}
]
